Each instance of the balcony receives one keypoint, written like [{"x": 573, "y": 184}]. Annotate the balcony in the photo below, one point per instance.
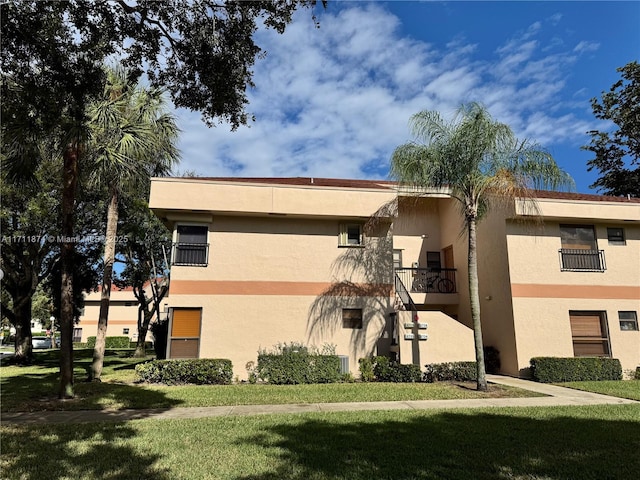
[
  {"x": 190, "y": 254},
  {"x": 428, "y": 280},
  {"x": 579, "y": 260}
]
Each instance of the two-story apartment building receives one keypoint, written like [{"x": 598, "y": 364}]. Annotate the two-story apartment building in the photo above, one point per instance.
[
  {"x": 373, "y": 269},
  {"x": 123, "y": 315}
]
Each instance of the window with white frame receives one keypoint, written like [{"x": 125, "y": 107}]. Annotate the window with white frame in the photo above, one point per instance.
[
  {"x": 351, "y": 235},
  {"x": 628, "y": 320},
  {"x": 615, "y": 235},
  {"x": 397, "y": 258}
]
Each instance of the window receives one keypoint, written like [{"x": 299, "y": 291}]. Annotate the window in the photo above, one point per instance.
[
  {"x": 77, "y": 334},
  {"x": 192, "y": 247},
  {"x": 350, "y": 235},
  {"x": 579, "y": 250},
  {"x": 125, "y": 331},
  {"x": 616, "y": 236},
  {"x": 628, "y": 320},
  {"x": 589, "y": 334},
  {"x": 433, "y": 261},
  {"x": 351, "y": 318},
  {"x": 397, "y": 259}
]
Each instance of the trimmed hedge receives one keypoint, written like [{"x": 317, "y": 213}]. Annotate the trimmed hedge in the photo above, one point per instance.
[
  {"x": 110, "y": 342},
  {"x": 298, "y": 367},
  {"x": 382, "y": 369},
  {"x": 575, "y": 369},
  {"x": 450, "y": 371},
  {"x": 198, "y": 371}
]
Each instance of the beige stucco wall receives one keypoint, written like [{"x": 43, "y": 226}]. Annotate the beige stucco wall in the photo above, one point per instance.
[
  {"x": 271, "y": 280},
  {"x": 193, "y": 194},
  {"x": 543, "y": 328},
  {"x": 447, "y": 339},
  {"x": 237, "y": 327},
  {"x": 543, "y": 295},
  {"x": 416, "y": 230},
  {"x": 494, "y": 288}
]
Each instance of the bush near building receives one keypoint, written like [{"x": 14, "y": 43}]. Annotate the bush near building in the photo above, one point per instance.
[
  {"x": 198, "y": 371},
  {"x": 110, "y": 342},
  {"x": 382, "y": 369},
  {"x": 450, "y": 371},
  {"x": 575, "y": 369}
]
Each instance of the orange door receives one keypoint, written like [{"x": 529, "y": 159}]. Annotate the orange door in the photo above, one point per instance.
[{"x": 185, "y": 333}]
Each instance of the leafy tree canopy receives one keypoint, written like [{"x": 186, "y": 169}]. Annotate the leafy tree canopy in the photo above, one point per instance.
[
  {"x": 201, "y": 51},
  {"x": 617, "y": 151}
]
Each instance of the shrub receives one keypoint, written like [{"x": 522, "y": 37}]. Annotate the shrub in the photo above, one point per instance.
[
  {"x": 199, "y": 371},
  {"x": 110, "y": 342},
  {"x": 492, "y": 359},
  {"x": 147, "y": 345},
  {"x": 382, "y": 369},
  {"x": 637, "y": 375},
  {"x": 366, "y": 369},
  {"x": 450, "y": 371},
  {"x": 575, "y": 369},
  {"x": 298, "y": 367},
  {"x": 79, "y": 345}
]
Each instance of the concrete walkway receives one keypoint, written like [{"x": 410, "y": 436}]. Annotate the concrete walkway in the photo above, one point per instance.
[{"x": 554, "y": 396}]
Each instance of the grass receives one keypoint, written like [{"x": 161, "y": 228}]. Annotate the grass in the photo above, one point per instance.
[
  {"x": 624, "y": 389},
  {"x": 585, "y": 442},
  {"x": 34, "y": 388}
]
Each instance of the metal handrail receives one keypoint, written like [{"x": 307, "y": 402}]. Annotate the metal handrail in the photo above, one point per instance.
[
  {"x": 428, "y": 280},
  {"x": 579, "y": 260},
  {"x": 404, "y": 294},
  {"x": 192, "y": 254}
]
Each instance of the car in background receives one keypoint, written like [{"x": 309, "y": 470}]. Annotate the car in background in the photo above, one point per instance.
[{"x": 41, "y": 342}]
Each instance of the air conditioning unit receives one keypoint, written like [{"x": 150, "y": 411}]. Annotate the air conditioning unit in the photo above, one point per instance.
[{"x": 344, "y": 363}]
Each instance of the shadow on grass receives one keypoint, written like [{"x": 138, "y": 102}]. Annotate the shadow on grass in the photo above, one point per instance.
[
  {"x": 457, "y": 446},
  {"x": 35, "y": 387},
  {"x": 97, "y": 451}
]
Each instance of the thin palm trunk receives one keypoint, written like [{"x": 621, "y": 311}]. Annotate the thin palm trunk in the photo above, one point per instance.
[
  {"x": 474, "y": 300},
  {"x": 70, "y": 180},
  {"x": 105, "y": 296}
]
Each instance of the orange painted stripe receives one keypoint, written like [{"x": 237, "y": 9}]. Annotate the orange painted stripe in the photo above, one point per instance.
[
  {"x": 532, "y": 290},
  {"x": 222, "y": 287}
]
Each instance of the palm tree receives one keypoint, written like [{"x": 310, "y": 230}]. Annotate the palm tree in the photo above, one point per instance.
[
  {"x": 133, "y": 138},
  {"x": 479, "y": 160}
]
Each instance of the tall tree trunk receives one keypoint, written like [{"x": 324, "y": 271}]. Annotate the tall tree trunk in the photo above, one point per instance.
[
  {"x": 474, "y": 300},
  {"x": 144, "y": 318},
  {"x": 70, "y": 180},
  {"x": 22, "y": 323},
  {"x": 105, "y": 294}
]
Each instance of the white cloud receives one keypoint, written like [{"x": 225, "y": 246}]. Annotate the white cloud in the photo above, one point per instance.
[
  {"x": 336, "y": 101},
  {"x": 586, "y": 46}
]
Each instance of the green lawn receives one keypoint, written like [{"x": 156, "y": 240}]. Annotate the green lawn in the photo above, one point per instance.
[
  {"x": 34, "y": 388},
  {"x": 624, "y": 389},
  {"x": 592, "y": 442}
]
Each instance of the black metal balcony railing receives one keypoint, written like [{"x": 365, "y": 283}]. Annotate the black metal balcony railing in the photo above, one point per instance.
[
  {"x": 194, "y": 254},
  {"x": 428, "y": 280},
  {"x": 578, "y": 260}
]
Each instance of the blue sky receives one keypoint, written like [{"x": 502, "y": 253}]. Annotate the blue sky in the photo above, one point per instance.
[{"x": 335, "y": 101}]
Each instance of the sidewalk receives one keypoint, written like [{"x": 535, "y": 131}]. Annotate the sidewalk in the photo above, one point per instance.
[{"x": 555, "y": 396}]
